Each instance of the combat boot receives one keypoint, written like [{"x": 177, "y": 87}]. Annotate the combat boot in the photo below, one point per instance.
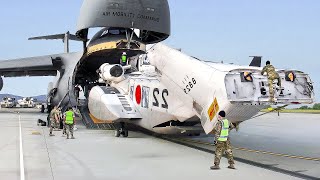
[
  {"x": 231, "y": 166},
  {"x": 215, "y": 167}
]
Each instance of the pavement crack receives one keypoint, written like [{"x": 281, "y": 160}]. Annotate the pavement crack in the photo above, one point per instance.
[{"x": 45, "y": 140}]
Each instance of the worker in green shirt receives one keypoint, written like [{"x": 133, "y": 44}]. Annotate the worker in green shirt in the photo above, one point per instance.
[
  {"x": 124, "y": 59},
  {"x": 69, "y": 122}
]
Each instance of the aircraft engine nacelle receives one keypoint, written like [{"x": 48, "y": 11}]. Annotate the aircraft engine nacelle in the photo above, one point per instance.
[
  {"x": 111, "y": 73},
  {"x": 1, "y": 83}
]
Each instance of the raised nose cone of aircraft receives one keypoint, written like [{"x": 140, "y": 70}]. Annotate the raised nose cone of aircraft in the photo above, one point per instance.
[
  {"x": 151, "y": 18},
  {"x": 115, "y": 40},
  {"x": 127, "y": 26}
]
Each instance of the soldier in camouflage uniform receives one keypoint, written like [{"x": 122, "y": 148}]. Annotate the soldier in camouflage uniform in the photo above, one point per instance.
[
  {"x": 222, "y": 141},
  {"x": 64, "y": 130},
  {"x": 54, "y": 119},
  {"x": 272, "y": 75}
]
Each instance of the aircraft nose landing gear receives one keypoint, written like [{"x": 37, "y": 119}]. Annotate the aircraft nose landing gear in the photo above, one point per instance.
[{"x": 121, "y": 130}]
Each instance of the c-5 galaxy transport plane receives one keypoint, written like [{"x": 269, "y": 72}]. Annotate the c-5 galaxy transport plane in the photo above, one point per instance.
[{"x": 158, "y": 88}]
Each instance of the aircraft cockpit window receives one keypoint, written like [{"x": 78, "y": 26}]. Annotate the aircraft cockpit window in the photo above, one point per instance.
[
  {"x": 104, "y": 33},
  {"x": 114, "y": 31},
  {"x": 107, "y": 32}
]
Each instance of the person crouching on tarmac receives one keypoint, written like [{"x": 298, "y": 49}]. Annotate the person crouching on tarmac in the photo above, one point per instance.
[
  {"x": 70, "y": 122},
  {"x": 54, "y": 119},
  {"x": 222, "y": 141}
]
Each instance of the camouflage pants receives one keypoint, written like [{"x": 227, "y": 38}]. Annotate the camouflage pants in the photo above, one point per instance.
[
  {"x": 53, "y": 124},
  {"x": 221, "y": 147},
  {"x": 270, "y": 82},
  {"x": 64, "y": 130},
  {"x": 69, "y": 128}
]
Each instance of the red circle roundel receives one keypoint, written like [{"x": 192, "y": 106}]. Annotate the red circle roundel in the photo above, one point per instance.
[{"x": 138, "y": 94}]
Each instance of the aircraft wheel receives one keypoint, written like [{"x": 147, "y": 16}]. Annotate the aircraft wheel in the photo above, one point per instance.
[
  {"x": 125, "y": 133},
  {"x": 42, "y": 108},
  {"x": 117, "y": 133},
  {"x": 49, "y": 107},
  {"x": 48, "y": 120}
]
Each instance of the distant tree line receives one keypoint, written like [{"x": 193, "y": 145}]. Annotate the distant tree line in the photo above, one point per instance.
[{"x": 315, "y": 106}]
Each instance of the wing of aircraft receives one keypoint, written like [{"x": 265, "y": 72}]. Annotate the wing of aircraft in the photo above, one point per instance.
[
  {"x": 48, "y": 65},
  {"x": 33, "y": 66},
  {"x": 57, "y": 36}
]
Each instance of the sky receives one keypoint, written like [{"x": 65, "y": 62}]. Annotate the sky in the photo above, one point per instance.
[{"x": 286, "y": 32}]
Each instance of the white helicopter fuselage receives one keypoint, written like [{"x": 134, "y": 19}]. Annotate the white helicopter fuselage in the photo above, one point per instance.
[{"x": 172, "y": 93}]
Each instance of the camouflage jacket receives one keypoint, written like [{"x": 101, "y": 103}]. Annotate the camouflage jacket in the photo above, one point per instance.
[
  {"x": 53, "y": 113},
  {"x": 270, "y": 70}
]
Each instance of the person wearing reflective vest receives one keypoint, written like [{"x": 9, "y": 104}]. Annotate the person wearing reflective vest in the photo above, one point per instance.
[
  {"x": 69, "y": 122},
  {"x": 124, "y": 58},
  {"x": 222, "y": 141}
]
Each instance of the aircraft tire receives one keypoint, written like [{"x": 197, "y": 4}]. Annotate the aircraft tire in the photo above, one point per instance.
[
  {"x": 117, "y": 133},
  {"x": 48, "y": 121},
  {"x": 42, "y": 108},
  {"x": 49, "y": 107},
  {"x": 125, "y": 133}
]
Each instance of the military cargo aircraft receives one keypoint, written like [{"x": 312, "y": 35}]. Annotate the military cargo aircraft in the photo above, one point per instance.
[{"x": 158, "y": 88}]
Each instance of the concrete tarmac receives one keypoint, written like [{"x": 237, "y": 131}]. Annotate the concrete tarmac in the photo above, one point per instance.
[
  {"x": 97, "y": 154},
  {"x": 279, "y": 140}
]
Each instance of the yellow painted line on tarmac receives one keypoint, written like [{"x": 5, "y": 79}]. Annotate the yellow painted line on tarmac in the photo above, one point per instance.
[
  {"x": 254, "y": 151},
  {"x": 35, "y": 133}
]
